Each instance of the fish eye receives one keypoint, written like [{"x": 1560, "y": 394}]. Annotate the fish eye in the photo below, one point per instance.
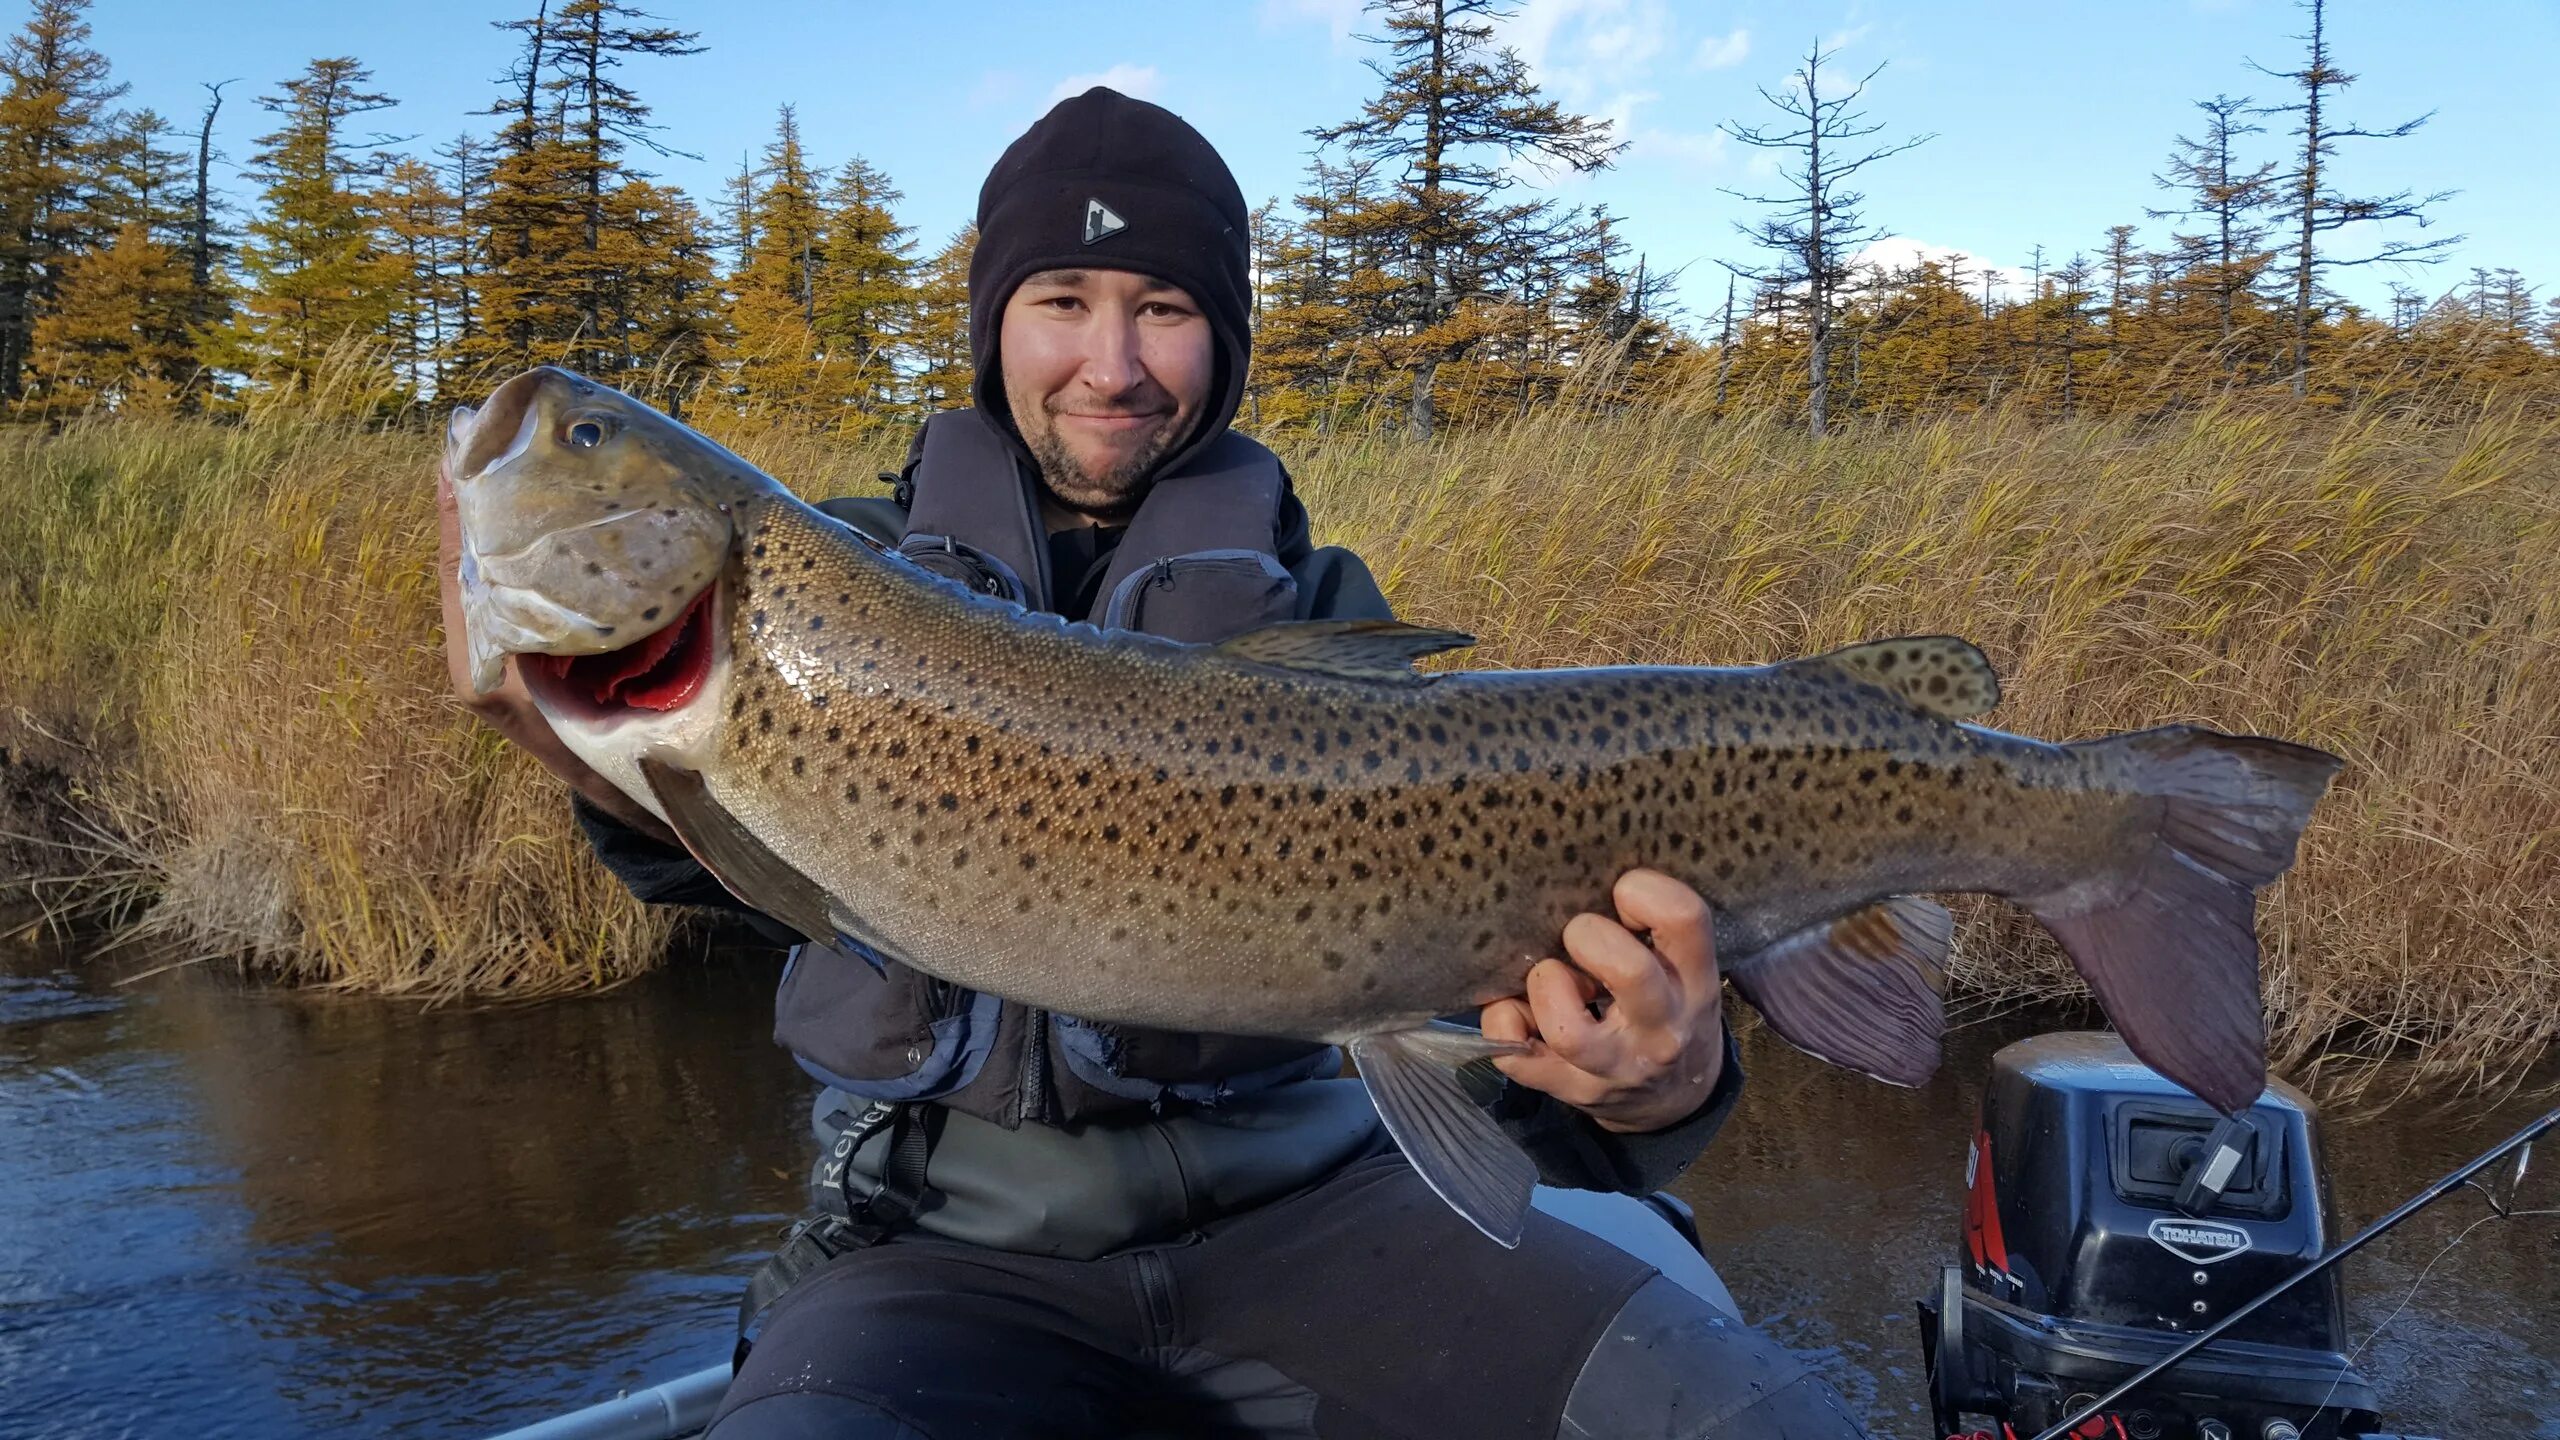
[{"x": 586, "y": 434}]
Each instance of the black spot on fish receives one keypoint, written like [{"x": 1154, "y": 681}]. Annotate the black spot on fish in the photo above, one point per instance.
[{"x": 1335, "y": 960}]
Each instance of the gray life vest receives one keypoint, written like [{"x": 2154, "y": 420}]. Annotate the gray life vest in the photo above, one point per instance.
[{"x": 1217, "y": 548}]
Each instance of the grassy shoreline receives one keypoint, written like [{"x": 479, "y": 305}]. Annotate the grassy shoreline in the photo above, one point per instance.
[{"x": 221, "y": 656}]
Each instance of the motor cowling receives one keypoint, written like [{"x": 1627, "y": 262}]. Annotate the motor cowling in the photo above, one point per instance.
[{"x": 2109, "y": 1217}]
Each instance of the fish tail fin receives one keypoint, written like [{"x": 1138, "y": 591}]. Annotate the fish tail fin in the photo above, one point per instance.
[
  {"x": 2169, "y": 942},
  {"x": 1414, "y": 1078}
]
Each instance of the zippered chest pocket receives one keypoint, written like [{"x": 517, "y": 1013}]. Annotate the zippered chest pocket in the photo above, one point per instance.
[{"x": 1203, "y": 597}]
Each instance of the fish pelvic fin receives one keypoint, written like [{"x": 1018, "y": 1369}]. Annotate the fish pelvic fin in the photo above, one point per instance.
[
  {"x": 1452, "y": 1142},
  {"x": 1865, "y": 992},
  {"x": 1371, "y": 650},
  {"x": 1940, "y": 674},
  {"x": 2169, "y": 943}
]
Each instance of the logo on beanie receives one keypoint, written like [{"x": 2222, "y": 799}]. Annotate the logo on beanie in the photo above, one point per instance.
[{"x": 1101, "y": 222}]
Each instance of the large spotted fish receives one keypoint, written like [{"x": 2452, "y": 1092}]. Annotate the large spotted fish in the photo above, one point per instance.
[{"x": 1295, "y": 833}]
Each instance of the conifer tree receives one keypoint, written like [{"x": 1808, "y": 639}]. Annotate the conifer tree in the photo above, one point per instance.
[
  {"x": 116, "y": 338},
  {"x": 423, "y": 238},
  {"x": 52, "y": 114},
  {"x": 665, "y": 315},
  {"x": 863, "y": 300},
  {"x": 589, "y": 40},
  {"x": 2312, "y": 206},
  {"x": 2227, "y": 260},
  {"x": 466, "y": 178},
  {"x": 774, "y": 355},
  {"x": 527, "y": 310},
  {"x": 316, "y": 273},
  {"x": 939, "y": 336},
  {"x": 1813, "y": 226},
  {"x": 1457, "y": 110}
]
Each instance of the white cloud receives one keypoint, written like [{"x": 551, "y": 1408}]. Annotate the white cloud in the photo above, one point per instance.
[
  {"x": 1901, "y": 252},
  {"x": 1722, "y": 52},
  {"x": 1340, "y": 18},
  {"x": 1843, "y": 39},
  {"x": 1134, "y": 80},
  {"x": 1589, "y": 53},
  {"x": 1696, "y": 149}
]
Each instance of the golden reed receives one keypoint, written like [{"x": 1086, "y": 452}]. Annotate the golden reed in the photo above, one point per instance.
[{"x": 226, "y": 635}]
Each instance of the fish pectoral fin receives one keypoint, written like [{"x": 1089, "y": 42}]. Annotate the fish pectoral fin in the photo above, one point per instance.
[
  {"x": 1938, "y": 673},
  {"x": 1451, "y": 1140},
  {"x": 1862, "y": 992},
  {"x": 735, "y": 858},
  {"x": 1345, "y": 649}
]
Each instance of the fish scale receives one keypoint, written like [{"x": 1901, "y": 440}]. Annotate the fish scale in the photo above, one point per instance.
[{"x": 1295, "y": 833}]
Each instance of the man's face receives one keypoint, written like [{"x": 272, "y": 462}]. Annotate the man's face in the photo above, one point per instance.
[{"x": 1107, "y": 372}]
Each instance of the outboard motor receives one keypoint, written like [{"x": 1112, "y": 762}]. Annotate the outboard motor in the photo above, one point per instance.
[{"x": 2109, "y": 1216}]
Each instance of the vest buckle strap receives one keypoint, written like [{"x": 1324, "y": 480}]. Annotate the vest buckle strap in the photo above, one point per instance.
[{"x": 819, "y": 1240}]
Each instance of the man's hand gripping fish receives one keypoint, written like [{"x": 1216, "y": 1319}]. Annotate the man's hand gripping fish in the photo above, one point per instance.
[{"x": 1295, "y": 833}]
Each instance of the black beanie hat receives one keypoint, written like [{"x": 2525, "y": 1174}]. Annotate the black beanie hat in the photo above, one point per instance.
[{"x": 1107, "y": 182}]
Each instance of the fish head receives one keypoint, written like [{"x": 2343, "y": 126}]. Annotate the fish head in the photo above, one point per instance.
[{"x": 594, "y": 532}]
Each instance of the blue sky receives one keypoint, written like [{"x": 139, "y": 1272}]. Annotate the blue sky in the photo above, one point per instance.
[{"x": 2050, "y": 117}]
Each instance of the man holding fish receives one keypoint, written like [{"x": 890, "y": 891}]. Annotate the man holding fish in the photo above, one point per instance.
[{"x": 1090, "y": 911}]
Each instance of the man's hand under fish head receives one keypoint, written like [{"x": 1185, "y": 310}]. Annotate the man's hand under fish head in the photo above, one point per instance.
[{"x": 1653, "y": 1056}]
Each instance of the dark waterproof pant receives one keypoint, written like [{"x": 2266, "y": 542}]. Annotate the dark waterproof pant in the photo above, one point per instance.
[{"x": 1363, "y": 1307}]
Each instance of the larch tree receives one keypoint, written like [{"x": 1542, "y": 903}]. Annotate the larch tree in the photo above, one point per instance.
[
  {"x": 52, "y": 125},
  {"x": 2311, "y": 205},
  {"x": 774, "y": 355},
  {"x": 589, "y": 40},
  {"x": 864, "y": 302},
  {"x": 115, "y": 339},
  {"x": 938, "y": 340},
  {"x": 1814, "y": 225},
  {"x": 526, "y": 310},
  {"x": 466, "y": 178},
  {"x": 2228, "y": 258},
  {"x": 422, "y": 237},
  {"x": 665, "y": 311},
  {"x": 1458, "y": 114},
  {"x": 318, "y": 276}
]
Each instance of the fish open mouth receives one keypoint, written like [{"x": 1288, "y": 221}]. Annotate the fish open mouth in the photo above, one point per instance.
[{"x": 660, "y": 672}]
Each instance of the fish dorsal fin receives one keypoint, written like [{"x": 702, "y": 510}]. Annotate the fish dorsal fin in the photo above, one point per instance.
[
  {"x": 1346, "y": 649},
  {"x": 1939, "y": 673}
]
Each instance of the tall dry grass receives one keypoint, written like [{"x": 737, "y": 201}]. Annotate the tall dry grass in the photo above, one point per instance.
[
  {"x": 2384, "y": 584},
  {"x": 238, "y": 626}
]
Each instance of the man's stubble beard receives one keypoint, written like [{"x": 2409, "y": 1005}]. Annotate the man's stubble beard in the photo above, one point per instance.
[{"x": 1116, "y": 492}]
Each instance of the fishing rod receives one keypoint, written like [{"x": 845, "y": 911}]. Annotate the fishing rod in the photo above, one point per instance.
[{"x": 2455, "y": 1181}]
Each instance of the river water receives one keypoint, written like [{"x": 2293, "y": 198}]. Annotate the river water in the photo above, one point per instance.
[{"x": 229, "y": 1211}]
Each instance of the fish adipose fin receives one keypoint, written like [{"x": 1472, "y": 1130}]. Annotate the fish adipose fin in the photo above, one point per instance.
[
  {"x": 1864, "y": 992},
  {"x": 1345, "y": 649},
  {"x": 1938, "y": 673},
  {"x": 2170, "y": 943},
  {"x": 1453, "y": 1143},
  {"x": 745, "y": 868}
]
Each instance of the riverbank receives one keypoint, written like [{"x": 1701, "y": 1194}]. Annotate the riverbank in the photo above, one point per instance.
[{"x": 224, "y": 670}]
